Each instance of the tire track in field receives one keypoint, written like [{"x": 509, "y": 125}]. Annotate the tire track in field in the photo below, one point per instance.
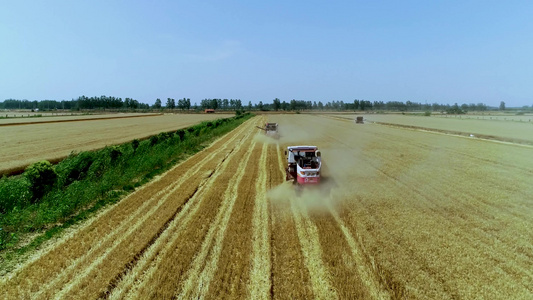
[
  {"x": 309, "y": 241},
  {"x": 291, "y": 279},
  {"x": 367, "y": 277},
  {"x": 311, "y": 249},
  {"x": 260, "y": 282},
  {"x": 153, "y": 275},
  {"x": 205, "y": 263},
  {"x": 125, "y": 229},
  {"x": 30, "y": 274}
]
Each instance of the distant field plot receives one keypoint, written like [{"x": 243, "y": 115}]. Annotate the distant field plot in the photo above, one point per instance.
[
  {"x": 21, "y": 145},
  {"x": 493, "y": 117},
  {"x": 520, "y": 131},
  {"x": 61, "y": 117}
]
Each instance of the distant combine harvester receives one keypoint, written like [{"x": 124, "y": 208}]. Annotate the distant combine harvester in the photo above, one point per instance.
[{"x": 209, "y": 111}]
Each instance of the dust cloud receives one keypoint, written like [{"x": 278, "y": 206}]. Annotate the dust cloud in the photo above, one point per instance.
[
  {"x": 264, "y": 139},
  {"x": 294, "y": 135},
  {"x": 314, "y": 198},
  {"x": 342, "y": 167}
]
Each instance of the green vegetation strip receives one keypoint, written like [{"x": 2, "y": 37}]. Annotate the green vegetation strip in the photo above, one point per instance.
[{"x": 48, "y": 199}]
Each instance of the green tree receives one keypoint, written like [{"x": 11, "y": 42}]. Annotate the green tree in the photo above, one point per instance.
[
  {"x": 214, "y": 104},
  {"x": 171, "y": 103},
  {"x": 455, "y": 109},
  {"x": 225, "y": 103},
  {"x": 157, "y": 104},
  {"x": 362, "y": 104},
  {"x": 502, "y": 105},
  {"x": 276, "y": 104},
  {"x": 182, "y": 104},
  {"x": 293, "y": 104}
]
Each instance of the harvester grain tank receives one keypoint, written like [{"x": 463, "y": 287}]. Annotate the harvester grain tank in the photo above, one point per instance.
[{"x": 303, "y": 164}]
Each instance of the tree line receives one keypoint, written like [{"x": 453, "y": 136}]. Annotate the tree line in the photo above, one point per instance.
[
  {"x": 115, "y": 103},
  {"x": 364, "y": 105},
  {"x": 109, "y": 102},
  {"x": 82, "y": 102}
]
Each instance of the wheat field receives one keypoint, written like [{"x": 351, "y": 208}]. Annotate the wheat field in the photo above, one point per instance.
[
  {"x": 55, "y": 138},
  {"x": 400, "y": 214}
]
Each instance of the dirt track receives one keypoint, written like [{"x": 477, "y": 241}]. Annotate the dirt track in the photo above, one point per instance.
[{"x": 400, "y": 214}]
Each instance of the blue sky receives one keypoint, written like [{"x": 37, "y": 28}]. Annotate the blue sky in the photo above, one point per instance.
[{"x": 434, "y": 51}]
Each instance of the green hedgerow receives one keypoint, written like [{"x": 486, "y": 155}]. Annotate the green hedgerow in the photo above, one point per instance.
[
  {"x": 153, "y": 140},
  {"x": 42, "y": 178},
  {"x": 135, "y": 144},
  {"x": 14, "y": 193}
]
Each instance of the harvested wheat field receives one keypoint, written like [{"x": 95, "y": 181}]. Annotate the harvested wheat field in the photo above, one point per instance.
[
  {"x": 399, "y": 214},
  {"x": 488, "y": 127},
  {"x": 20, "y": 118},
  {"x": 23, "y": 144}
]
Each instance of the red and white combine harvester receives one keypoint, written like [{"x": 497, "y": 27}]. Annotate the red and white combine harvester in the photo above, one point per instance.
[{"x": 303, "y": 164}]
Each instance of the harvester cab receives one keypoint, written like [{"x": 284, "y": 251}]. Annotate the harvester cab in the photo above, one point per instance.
[{"x": 303, "y": 164}]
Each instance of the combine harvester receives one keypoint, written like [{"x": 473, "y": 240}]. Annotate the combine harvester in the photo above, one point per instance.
[
  {"x": 303, "y": 165},
  {"x": 270, "y": 129}
]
